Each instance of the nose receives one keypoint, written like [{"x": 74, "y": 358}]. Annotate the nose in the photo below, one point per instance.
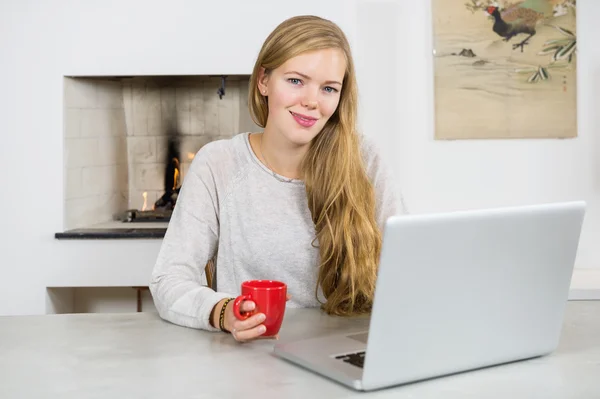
[
  {"x": 309, "y": 104},
  {"x": 310, "y": 101}
]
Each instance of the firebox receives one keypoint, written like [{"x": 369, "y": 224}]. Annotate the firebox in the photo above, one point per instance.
[
  {"x": 129, "y": 142},
  {"x": 164, "y": 205}
]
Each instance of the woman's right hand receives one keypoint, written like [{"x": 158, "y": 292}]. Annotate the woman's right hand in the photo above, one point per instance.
[{"x": 244, "y": 330}]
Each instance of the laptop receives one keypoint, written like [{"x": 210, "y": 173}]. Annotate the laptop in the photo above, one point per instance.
[{"x": 455, "y": 292}]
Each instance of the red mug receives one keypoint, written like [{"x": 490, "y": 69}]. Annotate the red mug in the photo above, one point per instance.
[{"x": 269, "y": 297}]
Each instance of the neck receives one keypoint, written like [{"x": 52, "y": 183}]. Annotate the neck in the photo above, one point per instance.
[
  {"x": 281, "y": 156},
  {"x": 497, "y": 16}
]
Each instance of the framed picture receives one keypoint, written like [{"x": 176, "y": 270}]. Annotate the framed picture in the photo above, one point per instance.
[{"x": 505, "y": 69}]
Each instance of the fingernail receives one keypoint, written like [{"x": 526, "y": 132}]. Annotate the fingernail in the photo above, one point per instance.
[
  {"x": 262, "y": 317},
  {"x": 262, "y": 329}
]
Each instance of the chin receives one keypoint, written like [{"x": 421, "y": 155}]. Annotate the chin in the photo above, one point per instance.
[{"x": 302, "y": 136}]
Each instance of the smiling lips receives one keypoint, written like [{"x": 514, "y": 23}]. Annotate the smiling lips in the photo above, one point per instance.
[{"x": 303, "y": 120}]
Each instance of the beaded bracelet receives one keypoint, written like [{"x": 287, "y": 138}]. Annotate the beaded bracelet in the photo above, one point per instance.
[{"x": 222, "y": 315}]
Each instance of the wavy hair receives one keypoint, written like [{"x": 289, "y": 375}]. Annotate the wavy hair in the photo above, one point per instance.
[{"x": 340, "y": 195}]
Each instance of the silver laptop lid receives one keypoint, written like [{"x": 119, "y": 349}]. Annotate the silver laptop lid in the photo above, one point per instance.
[{"x": 469, "y": 289}]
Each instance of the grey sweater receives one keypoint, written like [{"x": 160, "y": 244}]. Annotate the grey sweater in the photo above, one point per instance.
[{"x": 255, "y": 226}]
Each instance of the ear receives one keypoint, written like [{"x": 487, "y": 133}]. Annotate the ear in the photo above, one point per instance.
[{"x": 263, "y": 79}]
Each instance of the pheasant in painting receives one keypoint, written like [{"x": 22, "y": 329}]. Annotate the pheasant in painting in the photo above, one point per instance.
[{"x": 518, "y": 18}]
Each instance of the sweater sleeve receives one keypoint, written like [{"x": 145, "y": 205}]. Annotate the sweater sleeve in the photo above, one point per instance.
[{"x": 190, "y": 242}]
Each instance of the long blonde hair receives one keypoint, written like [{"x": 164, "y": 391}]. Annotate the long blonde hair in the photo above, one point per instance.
[{"x": 340, "y": 195}]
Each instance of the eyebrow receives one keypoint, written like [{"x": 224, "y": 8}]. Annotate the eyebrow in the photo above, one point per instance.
[{"x": 308, "y": 77}]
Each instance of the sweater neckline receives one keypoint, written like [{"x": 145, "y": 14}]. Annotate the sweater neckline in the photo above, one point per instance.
[{"x": 275, "y": 176}]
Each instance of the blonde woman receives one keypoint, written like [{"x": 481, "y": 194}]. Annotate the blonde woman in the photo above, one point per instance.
[{"x": 303, "y": 202}]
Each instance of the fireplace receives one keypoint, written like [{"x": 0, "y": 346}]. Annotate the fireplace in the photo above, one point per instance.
[{"x": 129, "y": 142}]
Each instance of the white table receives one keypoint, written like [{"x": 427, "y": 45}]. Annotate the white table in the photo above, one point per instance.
[{"x": 141, "y": 356}]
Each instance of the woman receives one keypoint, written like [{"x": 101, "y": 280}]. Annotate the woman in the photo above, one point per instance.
[{"x": 304, "y": 202}]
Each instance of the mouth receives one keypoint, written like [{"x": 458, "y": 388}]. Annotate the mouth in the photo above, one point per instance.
[{"x": 303, "y": 120}]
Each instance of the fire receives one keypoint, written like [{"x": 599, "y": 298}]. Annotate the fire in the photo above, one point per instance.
[
  {"x": 145, "y": 195},
  {"x": 175, "y": 178}
]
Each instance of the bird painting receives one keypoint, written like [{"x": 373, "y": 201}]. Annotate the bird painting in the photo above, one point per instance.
[
  {"x": 514, "y": 59},
  {"x": 520, "y": 18}
]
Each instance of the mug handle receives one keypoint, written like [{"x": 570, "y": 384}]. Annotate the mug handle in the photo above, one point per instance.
[{"x": 236, "y": 307}]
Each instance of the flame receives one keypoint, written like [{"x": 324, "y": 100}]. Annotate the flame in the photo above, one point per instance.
[
  {"x": 175, "y": 178},
  {"x": 145, "y": 195}
]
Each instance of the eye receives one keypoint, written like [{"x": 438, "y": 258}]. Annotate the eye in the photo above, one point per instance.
[
  {"x": 330, "y": 89},
  {"x": 294, "y": 81}
]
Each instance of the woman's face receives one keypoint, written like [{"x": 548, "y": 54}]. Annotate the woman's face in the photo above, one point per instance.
[{"x": 303, "y": 93}]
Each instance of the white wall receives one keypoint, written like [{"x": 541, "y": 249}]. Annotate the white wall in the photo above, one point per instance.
[
  {"x": 452, "y": 175},
  {"x": 42, "y": 42}
]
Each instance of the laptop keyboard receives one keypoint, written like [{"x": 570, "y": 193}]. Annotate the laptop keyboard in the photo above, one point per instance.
[{"x": 357, "y": 359}]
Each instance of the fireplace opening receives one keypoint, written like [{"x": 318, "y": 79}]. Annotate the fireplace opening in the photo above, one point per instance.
[
  {"x": 129, "y": 142},
  {"x": 163, "y": 208}
]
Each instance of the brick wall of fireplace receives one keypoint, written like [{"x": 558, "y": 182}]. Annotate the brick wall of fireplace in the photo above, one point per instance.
[{"x": 116, "y": 133}]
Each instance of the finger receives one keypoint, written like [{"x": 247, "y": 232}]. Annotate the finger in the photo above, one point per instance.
[
  {"x": 252, "y": 333},
  {"x": 249, "y": 323},
  {"x": 288, "y": 296},
  {"x": 248, "y": 306}
]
